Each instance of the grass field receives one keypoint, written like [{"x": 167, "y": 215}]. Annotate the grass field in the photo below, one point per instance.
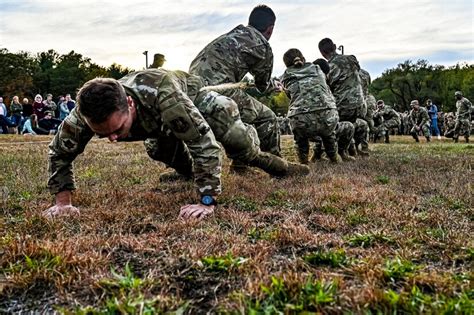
[{"x": 391, "y": 233}]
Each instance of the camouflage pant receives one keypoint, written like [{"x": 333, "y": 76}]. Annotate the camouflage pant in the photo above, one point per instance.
[
  {"x": 307, "y": 127},
  {"x": 239, "y": 139},
  {"x": 344, "y": 134},
  {"x": 261, "y": 117},
  {"x": 426, "y": 131},
  {"x": 361, "y": 133},
  {"x": 385, "y": 126},
  {"x": 462, "y": 128}
]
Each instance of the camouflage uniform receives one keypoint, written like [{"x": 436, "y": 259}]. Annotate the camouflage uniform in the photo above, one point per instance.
[
  {"x": 228, "y": 59},
  {"x": 345, "y": 83},
  {"x": 450, "y": 124},
  {"x": 390, "y": 119},
  {"x": 463, "y": 119},
  {"x": 312, "y": 109},
  {"x": 420, "y": 118},
  {"x": 369, "y": 98},
  {"x": 174, "y": 130}
]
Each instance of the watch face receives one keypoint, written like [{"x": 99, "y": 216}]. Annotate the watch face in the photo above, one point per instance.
[{"x": 207, "y": 200}]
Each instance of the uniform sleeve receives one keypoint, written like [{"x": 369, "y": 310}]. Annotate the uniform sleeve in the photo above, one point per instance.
[
  {"x": 186, "y": 122},
  {"x": 333, "y": 75},
  {"x": 425, "y": 118},
  {"x": 260, "y": 62},
  {"x": 70, "y": 140}
]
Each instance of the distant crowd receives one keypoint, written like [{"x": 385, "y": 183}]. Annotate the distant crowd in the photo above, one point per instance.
[{"x": 42, "y": 117}]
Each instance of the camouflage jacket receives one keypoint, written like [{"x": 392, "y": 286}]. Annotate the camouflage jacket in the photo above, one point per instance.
[
  {"x": 164, "y": 103},
  {"x": 307, "y": 89},
  {"x": 344, "y": 81},
  {"x": 463, "y": 109},
  {"x": 388, "y": 113},
  {"x": 419, "y": 117},
  {"x": 231, "y": 56}
]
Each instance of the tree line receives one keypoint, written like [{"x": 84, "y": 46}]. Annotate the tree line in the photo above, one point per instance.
[{"x": 26, "y": 75}]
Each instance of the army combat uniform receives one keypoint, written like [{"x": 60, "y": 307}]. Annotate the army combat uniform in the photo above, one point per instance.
[
  {"x": 390, "y": 119},
  {"x": 463, "y": 119},
  {"x": 228, "y": 59},
  {"x": 420, "y": 118},
  {"x": 345, "y": 83},
  {"x": 450, "y": 124},
  {"x": 174, "y": 131}
]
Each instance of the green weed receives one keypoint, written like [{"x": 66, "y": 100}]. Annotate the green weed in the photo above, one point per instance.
[
  {"x": 398, "y": 268},
  {"x": 382, "y": 179},
  {"x": 219, "y": 264},
  {"x": 336, "y": 258},
  {"x": 369, "y": 240}
]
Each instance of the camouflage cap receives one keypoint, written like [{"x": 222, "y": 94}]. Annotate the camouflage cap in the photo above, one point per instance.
[{"x": 458, "y": 93}]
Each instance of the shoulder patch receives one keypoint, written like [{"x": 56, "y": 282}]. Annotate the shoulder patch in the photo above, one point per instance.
[{"x": 68, "y": 144}]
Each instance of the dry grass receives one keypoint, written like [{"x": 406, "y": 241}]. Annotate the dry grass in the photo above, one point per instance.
[{"x": 388, "y": 233}]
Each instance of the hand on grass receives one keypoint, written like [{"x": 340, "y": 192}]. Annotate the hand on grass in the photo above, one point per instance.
[{"x": 196, "y": 211}]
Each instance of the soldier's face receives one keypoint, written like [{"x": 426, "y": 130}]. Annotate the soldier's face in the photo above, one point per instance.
[{"x": 117, "y": 126}]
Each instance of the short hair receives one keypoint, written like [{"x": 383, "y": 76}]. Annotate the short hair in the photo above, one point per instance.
[
  {"x": 294, "y": 57},
  {"x": 262, "y": 17},
  {"x": 326, "y": 46},
  {"x": 380, "y": 102},
  {"x": 323, "y": 65},
  {"x": 101, "y": 97}
]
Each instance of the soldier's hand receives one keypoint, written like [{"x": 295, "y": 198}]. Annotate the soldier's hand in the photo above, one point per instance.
[
  {"x": 196, "y": 211},
  {"x": 60, "y": 211}
]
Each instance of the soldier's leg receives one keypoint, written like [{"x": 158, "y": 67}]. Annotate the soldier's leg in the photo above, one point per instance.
[
  {"x": 240, "y": 140},
  {"x": 427, "y": 132},
  {"x": 326, "y": 124},
  {"x": 344, "y": 135},
  {"x": 173, "y": 152},
  {"x": 261, "y": 117},
  {"x": 318, "y": 150},
  {"x": 360, "y": 136},
  {"x": 414, "y": 134},
  {"x": 300, "y": 125}
]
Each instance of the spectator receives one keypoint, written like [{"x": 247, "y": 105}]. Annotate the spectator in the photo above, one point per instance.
[
  {"x": 30, "y": 125},
  {"x": 5, "y": 122},
  {"x": 48, "y": 125},
  {"x": 63, "y": 109},
  {"x": 70, "y": 102},
  {"x": 27, "y": 108},
  {"x": 16, "y": 111},
  {"x": 38, "y": 106},
  {"x": 433, "y": 111},
  {"x": 50, "y": 105}
]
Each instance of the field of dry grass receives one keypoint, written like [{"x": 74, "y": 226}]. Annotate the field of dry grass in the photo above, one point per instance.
[{"x": 392, "y": 233}]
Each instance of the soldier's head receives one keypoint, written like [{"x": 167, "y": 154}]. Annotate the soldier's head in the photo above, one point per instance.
[
  {"x": 458, "y": 95},
  {"x": 158, "y": 61},
  {"x": 263, "y": 19},
  {"x": 293, "y": 57},
  {"x": 49, "y": 97},
  {"x": 106, "y": 108},
  {"x": 415, "y": 105},
  {"x": 380, "y": 104},
  {"x": 323, "y": 65},
  {"x": 327, "y": 47}
]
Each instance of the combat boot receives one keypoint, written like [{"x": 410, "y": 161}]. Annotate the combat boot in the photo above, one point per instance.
[
  {"x": 387, "y": 138},
  {"x": 335, "y": 159},
  {"x": 278, "y": 167},
  {"x": 173, "y": 176},
  {"x": 352, "y": 149},
  {"x": 455, "y": 140},
  {"x": 345, "y": 156},
  {"x": 363, "y": 152},
  {"x": 467, "y": 139},
  {"x": 428, "y": 139},
  {"x": 303, "y": 158}
]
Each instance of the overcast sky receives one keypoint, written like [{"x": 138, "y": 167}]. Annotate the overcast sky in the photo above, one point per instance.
[{"x": 380, "y": 33}]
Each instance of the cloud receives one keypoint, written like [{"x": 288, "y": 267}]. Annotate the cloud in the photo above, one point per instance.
[{"x": 380, "y": 34}]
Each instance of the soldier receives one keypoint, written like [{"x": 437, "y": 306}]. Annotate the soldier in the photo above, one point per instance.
[
  {"x": 390, "y": 119},
  {"x": 370, "y": 102},
  {"x": 161, "y": 103},
  {"x": 463, "y": 117},
  {"x": 345, "y": 84},
  {"x": 450, "y": 124},
  {"x": 312, "y": 111},
  {"x": 245, "y": 49},
  {"x": 158, "y": 61},
  {"x": 420, "y": 120}
]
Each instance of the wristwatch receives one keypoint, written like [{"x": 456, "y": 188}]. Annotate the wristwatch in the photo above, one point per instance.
[{"x": 208, "y": 200}]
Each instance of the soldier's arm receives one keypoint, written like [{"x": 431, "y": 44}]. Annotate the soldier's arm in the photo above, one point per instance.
[
  {"x": 186, "y": 122},
  {"x": 260, "y": 62},
  {"x": 70, "y": 140}
]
